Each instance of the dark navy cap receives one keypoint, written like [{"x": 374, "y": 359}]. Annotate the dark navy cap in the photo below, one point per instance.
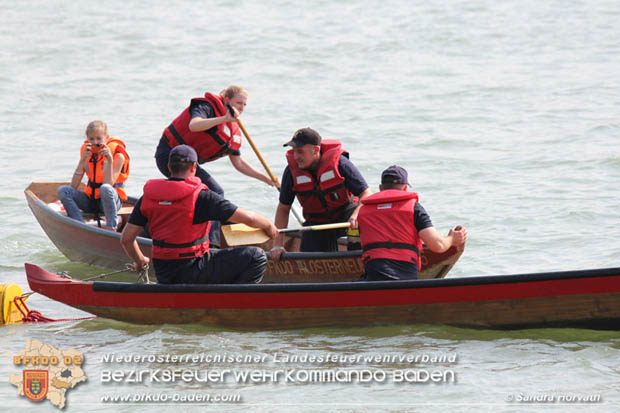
[
  {"x": 394, "y": 175},
  {"x": 305, "y": 136},
  {"x": 182, "y": 153}
]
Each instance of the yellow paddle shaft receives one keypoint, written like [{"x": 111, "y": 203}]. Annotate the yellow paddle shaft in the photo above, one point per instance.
[{"x": 317, "y": 227}]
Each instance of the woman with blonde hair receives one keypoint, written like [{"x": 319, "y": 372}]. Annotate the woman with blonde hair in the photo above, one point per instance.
[{"x": 209, "y": 126}]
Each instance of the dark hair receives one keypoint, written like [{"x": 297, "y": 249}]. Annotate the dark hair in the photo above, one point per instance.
[
  {"x": 177, "y": 168},
  {"x": 391, "y": 186}
]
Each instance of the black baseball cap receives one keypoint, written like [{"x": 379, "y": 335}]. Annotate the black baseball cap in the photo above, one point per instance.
[
  {"x": 394, "y": 175},
  {"x": 305, "y": 136},
  {"x": 182, "y": 153}
]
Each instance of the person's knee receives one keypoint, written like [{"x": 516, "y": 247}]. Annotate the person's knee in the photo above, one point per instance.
[
  {"x": 258, "y": 255},
  {"x": 63, "y": 191},
  {"x": 106, "y": 189},
  {"x": 255, "y": 256},
  {"x": 257, "y": 264}
]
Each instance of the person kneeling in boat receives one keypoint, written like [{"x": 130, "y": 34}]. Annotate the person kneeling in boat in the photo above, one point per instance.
[
  {"x": 179, "y": 211},
  {"x": 106, "y": 163},
  {"x": 327, "y": 185},
  {"x": 393, "y": 226}
]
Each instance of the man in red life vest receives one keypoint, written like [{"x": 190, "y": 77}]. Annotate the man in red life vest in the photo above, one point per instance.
[
  {"x": 393, "y": 226},
  {"x": 179, "y": 211},
  {"x": 327, "y": 185}
]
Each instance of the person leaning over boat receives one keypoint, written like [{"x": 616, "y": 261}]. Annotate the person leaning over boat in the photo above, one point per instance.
[
  {"x": 392, "y": 227},
  {"x": 209, "y": 126},
  {"x": 179, "y": 211},
  {"x": 327, "y": 185},
  {"x": 106, "y": 163}
]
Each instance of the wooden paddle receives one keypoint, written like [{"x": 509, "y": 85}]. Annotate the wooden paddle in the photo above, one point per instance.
[
  {"x": 241, "y": 234},
  {"x": 262, "y": 160}
]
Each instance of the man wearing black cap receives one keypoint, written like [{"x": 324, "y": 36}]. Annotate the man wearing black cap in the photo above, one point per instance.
[
  {"x": 393, "y": 226},
  {"x": 179, "y": 211},
  {"x": 327, "y": 185}
]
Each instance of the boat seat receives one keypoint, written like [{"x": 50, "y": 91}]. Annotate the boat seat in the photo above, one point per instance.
[
  {"x": 91, "y": 219},
  {"x": 123, "y": 214}
]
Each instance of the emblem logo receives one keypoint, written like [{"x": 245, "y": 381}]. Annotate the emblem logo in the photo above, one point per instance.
[
  {"x": 36, "y": 384},
  {"x": 47, "y": 373}
]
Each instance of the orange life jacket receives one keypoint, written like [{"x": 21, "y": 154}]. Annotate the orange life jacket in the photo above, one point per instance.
[
  {"x": 169, "y": 208},
  {"x": 387, "y": 229},
  {"x": 211, "y": 144},
  {"x": 95, "y": 169},
  {"x": 322, "y": 198}
]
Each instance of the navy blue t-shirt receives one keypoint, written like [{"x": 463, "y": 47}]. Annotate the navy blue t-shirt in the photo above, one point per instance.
[
  {"x": 353, "y": 181},
  {"x": 209, "y": 206},
  {"x": 204, "y": 110}
]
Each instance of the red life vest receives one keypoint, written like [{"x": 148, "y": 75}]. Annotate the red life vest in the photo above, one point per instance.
[
  {"x": 387, "y": 229},
  {"x": 324, "y": 197},
  {"x": 211, "y": 144},
  {"x": 95, "y": 169},
  {"x": 169, "y": 208}
]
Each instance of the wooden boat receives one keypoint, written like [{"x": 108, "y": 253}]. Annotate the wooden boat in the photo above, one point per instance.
[
  {"x": 89, "y": 244},
  {"x": 589, "y": 298}
]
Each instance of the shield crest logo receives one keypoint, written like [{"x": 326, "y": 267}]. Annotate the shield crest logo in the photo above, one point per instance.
[{"x": 36, "y": 384}]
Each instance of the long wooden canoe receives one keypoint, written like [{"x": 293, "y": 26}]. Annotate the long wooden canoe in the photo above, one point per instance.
[
  {"x": 589, "y": 299},
  {"x": 88, "y": 244}
]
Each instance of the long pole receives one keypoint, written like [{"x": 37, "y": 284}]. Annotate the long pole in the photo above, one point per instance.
[{"x": 262, "y": 161}]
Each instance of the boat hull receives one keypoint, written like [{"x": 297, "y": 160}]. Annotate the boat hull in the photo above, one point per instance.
[
  {"x": 88, "y": 244},
  {"x": 589, "y": 299}
]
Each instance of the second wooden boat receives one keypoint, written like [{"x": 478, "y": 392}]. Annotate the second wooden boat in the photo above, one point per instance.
[{"x": 86, "y": 243}]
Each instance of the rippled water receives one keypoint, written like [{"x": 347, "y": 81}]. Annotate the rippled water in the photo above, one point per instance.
[{"x": 506, "y": 115}]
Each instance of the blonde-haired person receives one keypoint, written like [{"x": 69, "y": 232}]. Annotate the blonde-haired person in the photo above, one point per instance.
[
  {"x": 105, "y": 162},
  {"x": 209, "y": 126}
]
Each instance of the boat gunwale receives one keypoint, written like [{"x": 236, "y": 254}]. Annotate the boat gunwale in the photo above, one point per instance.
[{"x": 105, "y": 286}]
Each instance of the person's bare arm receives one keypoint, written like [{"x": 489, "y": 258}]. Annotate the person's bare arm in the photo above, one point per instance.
[
  {"x": 245, "y": 168},
  {"x": 353, "y": 217},
  {"x": 111, "y": 170},
  {"x": 76, "y": 179},
  {"x": 80, "y": 169},
  {"x": 254, "y": 220},
  {"x": 439, "y": 243},
  {"x": 281, "y": 221},
  {"x": 130, "y": 245},
  {"x": 199, "y": 124}
]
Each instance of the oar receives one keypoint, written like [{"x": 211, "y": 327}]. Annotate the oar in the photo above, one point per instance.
[
  {"x": 262, "y": 161},
  {"x": 241, "y": 234}
]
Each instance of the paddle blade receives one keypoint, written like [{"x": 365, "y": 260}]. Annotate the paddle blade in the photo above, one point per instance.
[{"x": 240, "y": 234}]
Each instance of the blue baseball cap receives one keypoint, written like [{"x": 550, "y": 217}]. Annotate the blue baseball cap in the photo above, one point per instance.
[
  {"x": 394, "y": 175},
  {"x": 182, "y": 153}
]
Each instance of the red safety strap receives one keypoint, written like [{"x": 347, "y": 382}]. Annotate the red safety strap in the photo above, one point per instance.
[{"x": 34, "y": 316}]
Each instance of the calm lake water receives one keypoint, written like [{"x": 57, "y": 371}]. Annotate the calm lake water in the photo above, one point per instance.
[{"x": 506, "y": 115}]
